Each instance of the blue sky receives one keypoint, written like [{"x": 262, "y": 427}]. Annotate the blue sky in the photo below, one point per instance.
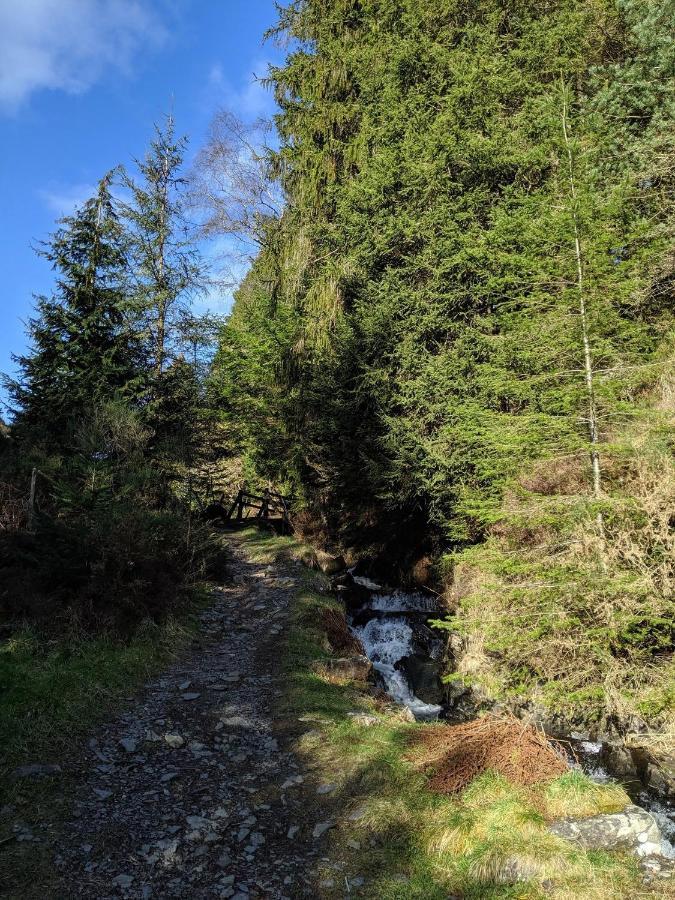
[{"x": 81, "y": 82}]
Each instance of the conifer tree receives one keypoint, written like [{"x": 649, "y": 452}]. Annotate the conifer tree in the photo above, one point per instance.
[
  {"x": 83, "y": 349},
  {"x": 165, "y": 264}
]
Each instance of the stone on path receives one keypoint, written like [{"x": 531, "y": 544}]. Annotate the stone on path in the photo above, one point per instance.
[
  {"x": 326, "y": 788},
  {"x": 321, "y": 828}
]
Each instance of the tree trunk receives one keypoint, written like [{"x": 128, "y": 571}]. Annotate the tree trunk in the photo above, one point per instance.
[{"x": 583, "y": 316}]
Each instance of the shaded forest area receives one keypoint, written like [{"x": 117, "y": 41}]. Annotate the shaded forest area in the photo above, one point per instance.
[{"x": 109, "y": 413}]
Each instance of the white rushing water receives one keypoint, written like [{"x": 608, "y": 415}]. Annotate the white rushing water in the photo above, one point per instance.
[
  {"x": 400, "y": 602},
  {"x": 386, "y": 642}
]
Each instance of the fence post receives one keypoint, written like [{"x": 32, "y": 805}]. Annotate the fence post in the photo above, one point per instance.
[{"x": 31, "y": 499}]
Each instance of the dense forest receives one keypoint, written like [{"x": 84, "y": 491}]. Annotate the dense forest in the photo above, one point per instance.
[
  {"x": 109, "y": 412},
  {"x": 455, "y": 345}
]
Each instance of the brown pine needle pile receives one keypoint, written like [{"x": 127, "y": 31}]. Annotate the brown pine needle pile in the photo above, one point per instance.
[{"x": 454, "y": 755}]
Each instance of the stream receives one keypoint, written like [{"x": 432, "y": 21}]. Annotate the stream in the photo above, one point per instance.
[{"x": 408, "y": 655}]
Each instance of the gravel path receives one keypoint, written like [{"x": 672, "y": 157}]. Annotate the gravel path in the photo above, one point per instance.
[{"x": 192, "y": 793}]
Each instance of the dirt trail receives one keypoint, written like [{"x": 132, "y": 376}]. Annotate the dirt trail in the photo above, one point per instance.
[{"x": 191, "y": 792}]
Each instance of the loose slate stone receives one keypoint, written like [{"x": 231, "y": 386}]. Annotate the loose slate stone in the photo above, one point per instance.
[
  {"x": 321, "y": 828},
  {"x": 191, "y": 696},
  {"x": 326, "y": 788}
]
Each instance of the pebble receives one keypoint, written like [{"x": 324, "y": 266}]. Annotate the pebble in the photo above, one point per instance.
[
  {"x": 326, "y": 788},
  {"x": 357, "y": 814},
  {"x": 321, "y": 828},
  {"x": 191, "y": 696},
  {"x": 293, "y": 781},
  {"x": 129, "y": 744},
  {"x": 37, "y": 770},
  {"x": 174, "y": 740}
]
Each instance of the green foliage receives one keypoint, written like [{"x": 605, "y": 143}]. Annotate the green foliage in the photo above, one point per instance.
[
  {"x": 83, "y": 348},
  {"x": 411, "y": 327},
  {"x": 110, "y": 414},
  {"x": 111, "y": 547},
  {"x": 469, "y": 298}
]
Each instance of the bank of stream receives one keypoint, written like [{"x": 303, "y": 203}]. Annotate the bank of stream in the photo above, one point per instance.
[{"x": 408, "y": 655}]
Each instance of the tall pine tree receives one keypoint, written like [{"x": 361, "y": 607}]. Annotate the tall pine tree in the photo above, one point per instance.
[{"x": 83, "y": 346}]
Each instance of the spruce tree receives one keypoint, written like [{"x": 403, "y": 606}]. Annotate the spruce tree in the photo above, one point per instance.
[
  {"x": 83, "y": 348},
  {"x": 165, "y": 264},
  {"x": 422, "y": 293}
]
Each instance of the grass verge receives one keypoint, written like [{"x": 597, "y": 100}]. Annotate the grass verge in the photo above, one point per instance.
[
  {"x": 405, "y": 841},
  {"x": 52, "y": 694}
]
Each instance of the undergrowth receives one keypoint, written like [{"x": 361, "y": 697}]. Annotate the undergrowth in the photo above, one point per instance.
[
  {"x": 575, "y": 616},
  {"x": 406, "y": 840}
]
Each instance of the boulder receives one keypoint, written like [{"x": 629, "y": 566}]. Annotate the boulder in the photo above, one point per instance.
[
  {"x": 351, "y": 668},
  {"x": 618, "y": 760},
  {"x": 633, "y": 829},
  {"x": 422, "y": 674},
  {"x": 661, "y": 775},
  {"x": 330, "y": 565}
]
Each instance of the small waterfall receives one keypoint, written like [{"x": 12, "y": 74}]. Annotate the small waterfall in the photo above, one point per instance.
[
  {"x": 387, "y": 642},
  {"x": 398, "y": 602}
]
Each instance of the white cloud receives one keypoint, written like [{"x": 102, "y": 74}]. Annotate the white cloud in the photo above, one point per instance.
[
  {"x": 65, "y": 200},
  {"x": 68, "y": 44},
  {"x": 250, "y": 99}
]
